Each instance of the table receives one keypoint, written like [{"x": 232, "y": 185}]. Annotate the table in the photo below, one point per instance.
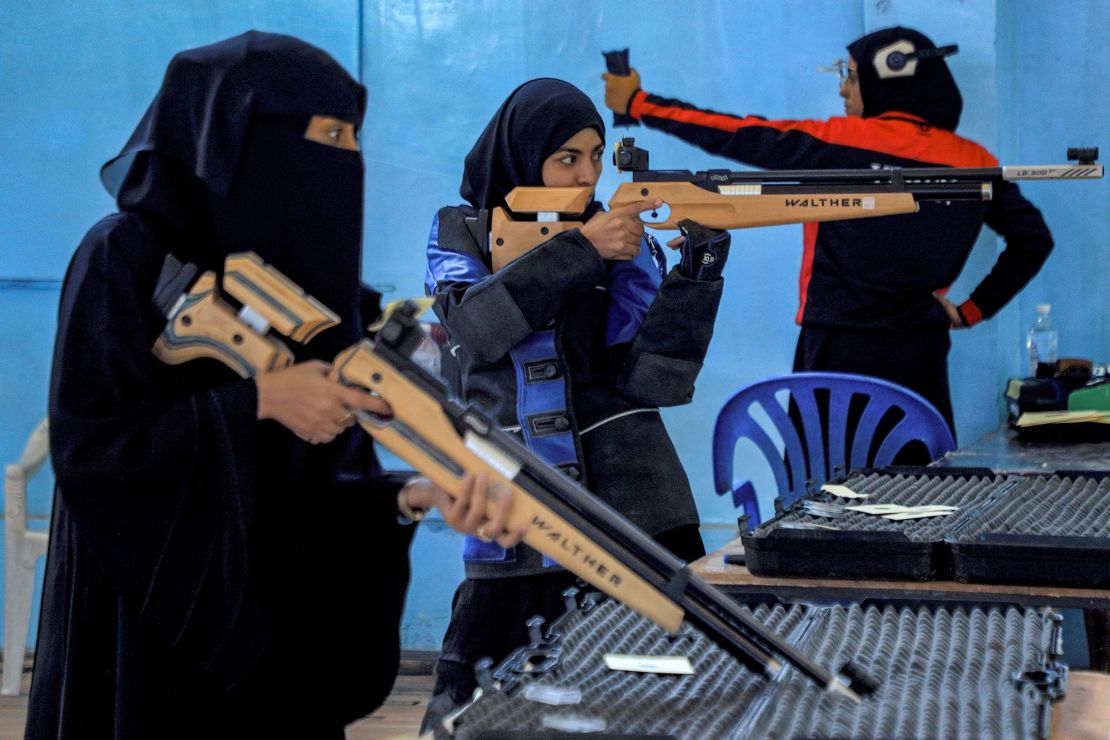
[
  {"x": 737, "y": 580},
  {"x": 1003, "y": 451},
  {"x": 1085, "y": 711}
]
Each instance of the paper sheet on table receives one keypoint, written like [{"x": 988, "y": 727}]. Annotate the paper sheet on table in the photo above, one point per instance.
[
  {"x": 677, "y": 664},
  {"x": 883, "y": 509},
  {"x": 842, "y": 491},
  {"x": 916, "y": 514}
]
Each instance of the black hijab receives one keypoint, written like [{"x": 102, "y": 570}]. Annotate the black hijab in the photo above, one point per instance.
[
  {"x": 533, "y": 122},
  {"x": 219, "y": 162},
  {"x": 930, "y": 93}
]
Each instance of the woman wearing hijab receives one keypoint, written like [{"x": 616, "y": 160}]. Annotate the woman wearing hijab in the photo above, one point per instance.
[
  {"x": 575, "y": 346},
  {"x": 184, "y": 592}
]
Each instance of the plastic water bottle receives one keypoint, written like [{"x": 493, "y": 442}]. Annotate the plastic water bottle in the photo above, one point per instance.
[{"x": 1041, "y": 344}]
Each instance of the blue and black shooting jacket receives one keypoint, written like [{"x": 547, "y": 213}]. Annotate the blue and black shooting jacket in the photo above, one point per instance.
[{"x": 575, "y": 354}]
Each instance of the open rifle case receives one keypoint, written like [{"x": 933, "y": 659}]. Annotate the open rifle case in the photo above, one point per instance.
[
  {"x": 981, "y": 671},
  {"x": 1054, "y": 529},
  {"x": 1046, "y": 529}
]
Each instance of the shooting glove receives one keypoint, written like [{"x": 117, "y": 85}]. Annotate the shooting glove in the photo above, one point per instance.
[
  {"x": 619, "y": 89},
  {"x": 704, "y": 252}
]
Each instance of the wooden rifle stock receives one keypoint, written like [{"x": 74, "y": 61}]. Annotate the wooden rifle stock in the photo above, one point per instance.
[
  {"x": 718, "y": 211},
  {"x": 511, "y": 239},
  {"x": 280, "y": 301}
]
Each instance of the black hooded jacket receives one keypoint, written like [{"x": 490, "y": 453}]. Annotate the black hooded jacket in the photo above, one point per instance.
[
  {"x": 573, "y": 352},
  {"x": 195, "y": 550},
  {"x": 880, "y": 273},
  {"x": 929, "y": 93}
]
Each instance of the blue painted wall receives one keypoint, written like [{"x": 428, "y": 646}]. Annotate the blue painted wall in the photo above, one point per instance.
[{"x": 74, "y": 79}]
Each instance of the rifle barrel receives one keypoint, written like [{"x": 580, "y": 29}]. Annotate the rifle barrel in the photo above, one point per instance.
[
  {"x": 876, "y": 176},
  {"x": 705, "y": 607}
]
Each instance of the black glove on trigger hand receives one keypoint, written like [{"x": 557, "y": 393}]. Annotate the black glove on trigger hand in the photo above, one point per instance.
[{"x": 704, "y": 252}]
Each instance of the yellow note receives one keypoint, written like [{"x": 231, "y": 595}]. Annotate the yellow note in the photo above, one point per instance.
[{"x": 1036, "y": 418}]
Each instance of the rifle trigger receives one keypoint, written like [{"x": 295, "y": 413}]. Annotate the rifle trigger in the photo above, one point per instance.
[{"x": 369, "y": 417}]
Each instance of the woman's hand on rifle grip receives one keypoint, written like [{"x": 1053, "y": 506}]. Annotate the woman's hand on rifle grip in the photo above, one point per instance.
[
  {"x": 313, "y": 406},
  {"x": 616, "y": 234}
]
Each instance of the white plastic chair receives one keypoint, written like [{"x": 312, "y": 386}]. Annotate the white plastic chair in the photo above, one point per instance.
[{"x": 22, "y": 548}]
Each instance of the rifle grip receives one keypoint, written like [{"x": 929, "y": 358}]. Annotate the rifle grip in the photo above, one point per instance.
[
  {"x": 616, "y": 62},
  {"x": 205, "y": 326}
]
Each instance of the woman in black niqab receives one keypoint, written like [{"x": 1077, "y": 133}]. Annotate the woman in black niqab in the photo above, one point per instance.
[
  {"x": 187, "y": 571},
  {"x": 221, "y": 164}
]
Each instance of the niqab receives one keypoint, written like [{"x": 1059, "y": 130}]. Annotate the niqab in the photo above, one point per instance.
[
  {"x": 220, "y": 163},
  {"x": 179, "y": 521}
]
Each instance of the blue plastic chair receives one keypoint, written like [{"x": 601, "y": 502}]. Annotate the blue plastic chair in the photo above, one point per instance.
[{"x": 815, "y": 462}]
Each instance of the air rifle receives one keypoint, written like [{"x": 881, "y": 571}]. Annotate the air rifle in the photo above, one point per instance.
[
  {"x": 446, "y": 440},
  {"x": 724, "y": 199}
]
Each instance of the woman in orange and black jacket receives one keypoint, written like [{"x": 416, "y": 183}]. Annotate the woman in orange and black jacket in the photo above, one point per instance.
[{"x": 871, "y": 290}]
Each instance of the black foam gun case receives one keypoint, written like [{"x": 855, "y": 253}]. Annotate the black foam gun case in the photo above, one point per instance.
[
  {"x": 1031, "y": 529},
  {"x": 941, "y": 670}
]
